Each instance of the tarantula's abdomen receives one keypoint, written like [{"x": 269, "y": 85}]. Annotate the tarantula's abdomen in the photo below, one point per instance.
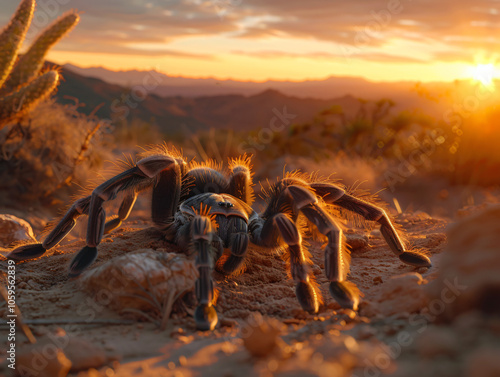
[{"x": 202, "y": 180}]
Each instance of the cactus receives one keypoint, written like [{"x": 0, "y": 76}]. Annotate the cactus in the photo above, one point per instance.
[
  {"x": 21, "y": 85},
  {"x": 13, "y": 36},
  {"x": 23, "y": 100}
]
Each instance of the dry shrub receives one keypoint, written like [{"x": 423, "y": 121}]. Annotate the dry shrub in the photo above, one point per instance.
[{"x": 46, "y": 157}]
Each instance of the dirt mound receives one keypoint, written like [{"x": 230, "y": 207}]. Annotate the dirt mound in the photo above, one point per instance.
[{"x": 469, "y": 278}]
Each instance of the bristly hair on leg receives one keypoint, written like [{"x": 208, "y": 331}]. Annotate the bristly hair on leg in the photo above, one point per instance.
[
  {"x": 308, "y": 260},
  {"x": 365, "y": 195},
  {"x": 244, "y": 160},
  {"x": 204, "y": 211},
  {"x": 162, "y": 149}
]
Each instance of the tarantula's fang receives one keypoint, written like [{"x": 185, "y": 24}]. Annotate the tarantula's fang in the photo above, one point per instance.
[
  {"x": 205, "y": 317},
  {"x": 82, "y": 260},
  {"x": 344, "y": 294},
  {"x": 415, "y": 259},
  {"x": 27, "y": 252},
  {"x": 307, "y": 297}
]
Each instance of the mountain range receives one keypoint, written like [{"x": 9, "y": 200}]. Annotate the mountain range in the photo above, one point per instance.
[
  {"x": 168, "y": 86},
  {"x": 177, "y": 104}
]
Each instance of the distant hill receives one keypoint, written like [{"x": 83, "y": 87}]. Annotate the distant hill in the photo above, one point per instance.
[
  {"x": 173, "y": 114},
  {"x": 176, "y": 114},
  {"x": 188, "y": 87}
]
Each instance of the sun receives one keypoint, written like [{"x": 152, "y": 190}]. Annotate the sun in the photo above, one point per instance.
[{"x": 484, "y": 73}]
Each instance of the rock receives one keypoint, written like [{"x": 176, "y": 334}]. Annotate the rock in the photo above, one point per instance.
[
  {"x": 74, "y": 353},
  {"x": 43, "y": 360},
  {"x": 84, "y": 355},
  {"x": 468, "y": 278},
  {"x": 140, "y": 280},
  {"x": 339, "y": 355},
  {"x": 403, "y": 293},
  {"x": 356, "y": 241},
  {"x": 366, "y": 332},
  {"x": 438, "y": 341},
  {"x": 483, "y": 363},
  {"x": 13, "y": 229},
  {"x": 261, "y": 335}
]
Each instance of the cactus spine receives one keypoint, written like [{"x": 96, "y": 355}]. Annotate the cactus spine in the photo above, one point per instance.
[{"x": 21, "y": 85}]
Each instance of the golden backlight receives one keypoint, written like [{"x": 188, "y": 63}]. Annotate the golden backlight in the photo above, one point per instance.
[{"x": 484, "y": 73}]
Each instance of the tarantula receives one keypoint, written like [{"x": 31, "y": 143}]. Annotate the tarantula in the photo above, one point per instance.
[{"x": 206, "y": 211}]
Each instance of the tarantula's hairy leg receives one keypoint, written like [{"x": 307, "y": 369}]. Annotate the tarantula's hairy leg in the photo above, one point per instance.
[
  {"x": 336, "y": 263},
  {"x": 61, "y": 230},
  {"x": 374, "y": 213},
  {"x": 167, "y": 193},
  {"x": 266, "y": 232},
  {"x": 142, "y": 175},
  {"x": 123, "y": 212},
  {"x": 305, "y": 291},
  {"x": 205, "y": 315}
]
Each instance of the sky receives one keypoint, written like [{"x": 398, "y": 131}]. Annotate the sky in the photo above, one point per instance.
[{"x": 256, "y": 40}]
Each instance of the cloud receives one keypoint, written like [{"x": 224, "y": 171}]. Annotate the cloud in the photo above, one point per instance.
[
  {"x": 375, "y": 57},
  {"x": 113, "y": 25}
]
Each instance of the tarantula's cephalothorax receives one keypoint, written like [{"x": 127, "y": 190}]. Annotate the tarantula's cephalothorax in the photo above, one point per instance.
[{"x": 205, "y": 210}]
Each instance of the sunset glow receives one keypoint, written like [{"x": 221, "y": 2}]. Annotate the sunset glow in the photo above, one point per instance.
[
  {"x": 293, "y": 40},
  {"x": 484, "y": 73}
]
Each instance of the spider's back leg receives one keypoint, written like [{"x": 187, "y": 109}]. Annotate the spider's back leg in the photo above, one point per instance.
[
  {"x": 240, "y": 180},
  {"x": 337, "y": 258},
  {"x": 334, "y": 195},
  {"x": 167, "y": 193},
  {"x": 123, "y": 212},
  {"x": 277, "y": 228}
]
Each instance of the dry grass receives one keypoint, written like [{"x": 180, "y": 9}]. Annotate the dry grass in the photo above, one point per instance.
[{"x": 46, "y": 156}]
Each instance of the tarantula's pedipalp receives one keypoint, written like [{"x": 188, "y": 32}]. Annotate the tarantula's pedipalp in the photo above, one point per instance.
[{"x": 206, "y": 211}]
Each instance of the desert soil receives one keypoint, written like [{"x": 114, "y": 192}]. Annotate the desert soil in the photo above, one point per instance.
[{"x": 262, "y": 330}]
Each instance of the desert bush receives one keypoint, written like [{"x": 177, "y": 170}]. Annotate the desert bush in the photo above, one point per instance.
[
  {"x": 44, "y": 159},
  {"x": 136, "y": 132}
]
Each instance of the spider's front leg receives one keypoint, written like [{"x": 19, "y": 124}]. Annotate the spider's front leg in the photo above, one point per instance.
[
  {"x": 205, "y": 315},
  {"x": 60, "y": 231},
  {"x": 147, "y": 172}
]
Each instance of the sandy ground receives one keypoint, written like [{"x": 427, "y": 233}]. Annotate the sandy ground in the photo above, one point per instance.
[{"x": 262, "y": 330}]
